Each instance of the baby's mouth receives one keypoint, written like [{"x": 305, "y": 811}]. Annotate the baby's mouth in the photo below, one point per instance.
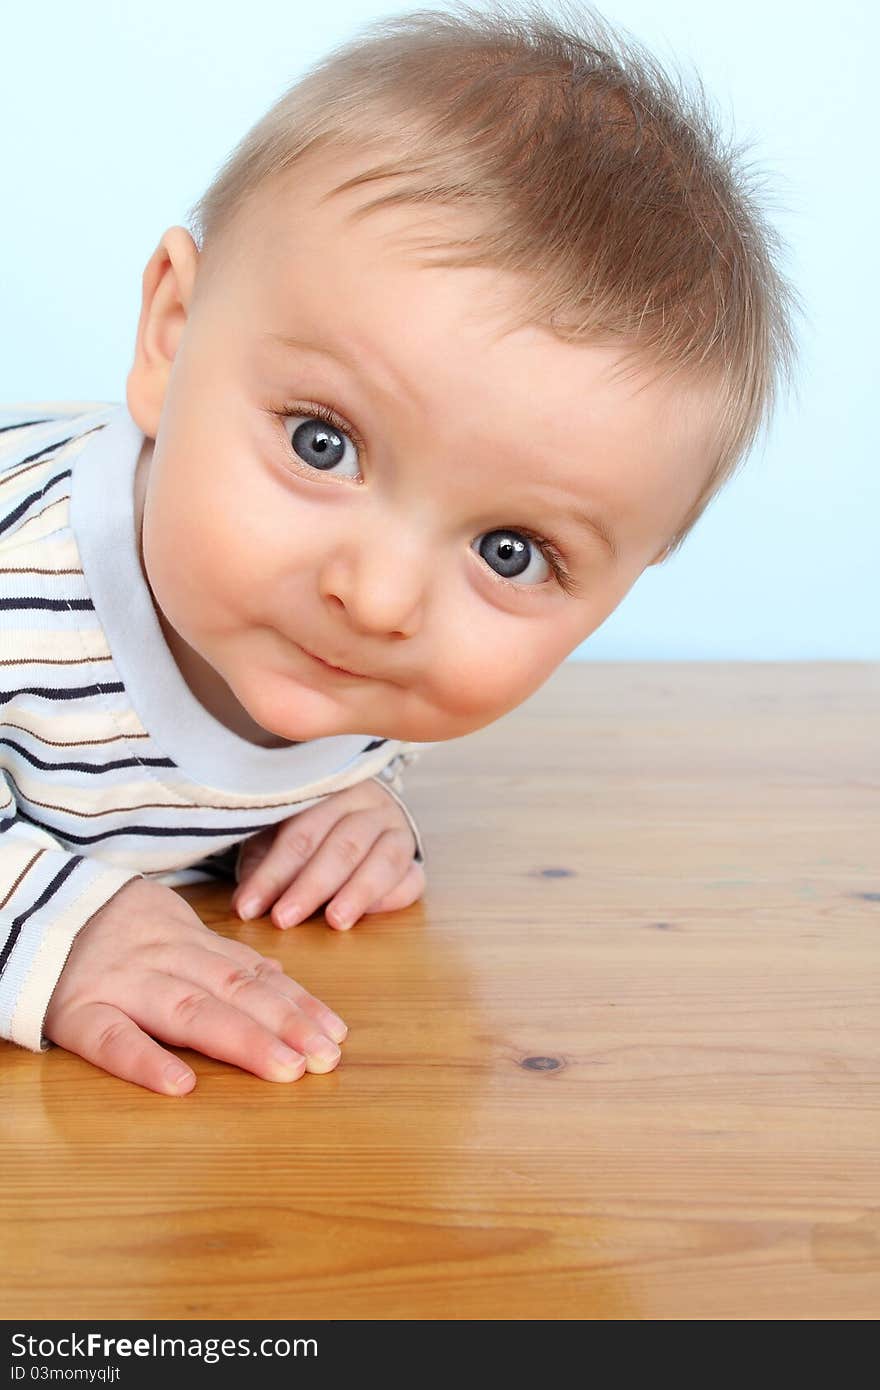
[{"x": 328, "y": 666}]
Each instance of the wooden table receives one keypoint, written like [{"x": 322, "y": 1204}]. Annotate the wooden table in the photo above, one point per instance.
[{"x": 620, "y": 1062}]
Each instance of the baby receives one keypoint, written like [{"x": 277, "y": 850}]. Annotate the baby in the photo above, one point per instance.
[{"x": 473, "y": 325}]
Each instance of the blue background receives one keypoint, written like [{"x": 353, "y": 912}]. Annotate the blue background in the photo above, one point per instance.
[{"x": 115, "y": 117}]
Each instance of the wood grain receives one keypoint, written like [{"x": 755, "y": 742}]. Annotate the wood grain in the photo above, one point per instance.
[{"x": 622, "y": 1061}]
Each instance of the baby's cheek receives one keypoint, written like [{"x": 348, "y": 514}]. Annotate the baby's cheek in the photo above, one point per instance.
[{"x": 480, "y": 684}]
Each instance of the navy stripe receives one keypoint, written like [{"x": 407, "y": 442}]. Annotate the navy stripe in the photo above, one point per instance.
[
  {"x": 69, "y": 692},
  {"x": 49, "y": 448},
  {"x": 35, "y": 496},
  {"x": 154, "y": 831},
  {"x": 49, "y": 892},
  {"x": 57, "y": 604},
  {"x": 85, "y": 767},
  {"x": 23, "y": 425},
  {"x": 56, "y": 444}
]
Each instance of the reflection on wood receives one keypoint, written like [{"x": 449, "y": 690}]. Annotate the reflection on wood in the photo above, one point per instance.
[{"x": 621, "y": 1061}]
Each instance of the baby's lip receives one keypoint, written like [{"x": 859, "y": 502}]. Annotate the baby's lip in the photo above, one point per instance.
[{"x": 344, "y": 670}]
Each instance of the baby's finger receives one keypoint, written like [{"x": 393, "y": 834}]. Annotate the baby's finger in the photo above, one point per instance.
[
  {"x": 377, "y": 877},
  {"x": 266, "y": 871},
  {"x": 108, "y": 1038},
  {"x": 336, "y": 859},
  {"x": 295, "y": 843},
  {"x": 247, "y": 1022},
  {"x": 216, "y": 971},
  {"x": 235, "y": 950},
  {"x": 408, "y": 890},
  {"x": 328, "y": 1022}
]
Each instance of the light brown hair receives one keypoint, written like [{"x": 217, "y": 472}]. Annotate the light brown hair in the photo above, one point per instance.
[{"x": 593, "y": 173}]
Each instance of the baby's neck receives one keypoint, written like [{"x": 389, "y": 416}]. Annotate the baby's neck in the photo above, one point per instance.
[{"x": 212, "y": 692}]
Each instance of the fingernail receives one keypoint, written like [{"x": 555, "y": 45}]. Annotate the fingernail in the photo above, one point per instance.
[
  {"x": 288, "y": 916},
  {"x": 248, "y": 907},
  {"x": 286, "y": 1064},
  {"x": 334, "y": 1026},
  {"x": 321, "y": 1049},
  {"x": 177, "y": 1076},
  {"x": 340, "y": 920}
]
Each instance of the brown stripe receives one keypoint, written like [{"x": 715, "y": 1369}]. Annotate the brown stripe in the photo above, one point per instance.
[
  {"x": 74, "y": 742},
  {"x": 27, "y": 866},
  {"x": 40, "y": 463},
  {"x": 48, "y": 458},
  {"x": 145, "y": 806},
  {"x": 51, "y": 661},
  {"x": 26, "y": 519}
]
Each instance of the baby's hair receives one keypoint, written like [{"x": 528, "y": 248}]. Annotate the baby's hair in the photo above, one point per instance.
[{"x": 593, "y": 173}]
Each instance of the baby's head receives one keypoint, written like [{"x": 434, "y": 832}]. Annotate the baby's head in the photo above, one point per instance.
[{"x": 475, "y": 323}]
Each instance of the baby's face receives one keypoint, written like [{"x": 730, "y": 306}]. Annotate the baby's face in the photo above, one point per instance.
[{"x": 414, "y": 539}]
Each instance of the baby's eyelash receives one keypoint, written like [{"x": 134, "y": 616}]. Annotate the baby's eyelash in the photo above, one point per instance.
[
  {"x": 557, "y": 564},
  {"x": 330, "y": 417},
  {"x": 550, "y": 550}
]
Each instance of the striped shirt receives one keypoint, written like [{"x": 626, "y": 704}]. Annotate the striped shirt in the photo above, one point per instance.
[{"x": 110, "y": 768}]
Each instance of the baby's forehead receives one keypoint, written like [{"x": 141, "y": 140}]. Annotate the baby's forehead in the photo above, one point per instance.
[
  {"x": 325, "y": 198},
  {"x": 356, "y": 288}
]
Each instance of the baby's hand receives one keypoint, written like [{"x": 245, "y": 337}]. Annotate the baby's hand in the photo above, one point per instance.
[
  {"x": 358, "y": 840},
  {"x": 145, "y": 964}
]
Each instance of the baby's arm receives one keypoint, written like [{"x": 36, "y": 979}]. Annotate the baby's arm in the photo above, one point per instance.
[
  {"x": 47, "y": 894},
  {"x": 87, "y": 950}
]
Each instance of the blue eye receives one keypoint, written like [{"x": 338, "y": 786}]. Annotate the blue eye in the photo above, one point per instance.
[
  {"x": 324, "y": 443},
  {"x": 321, "y": 444},
  {"x": 510, "y": 553}
]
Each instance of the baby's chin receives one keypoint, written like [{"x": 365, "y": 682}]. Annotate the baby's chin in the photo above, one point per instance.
[
  {"x": 281, "y": 707},
  {"x": 304, "y": 715},
  {"x": 299, "y": 726}
]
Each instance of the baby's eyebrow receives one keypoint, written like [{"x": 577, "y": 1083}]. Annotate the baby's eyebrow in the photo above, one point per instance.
[
  {"x": 595, "y": 525},
  {"x": 598, "y": 528},
  {"x": 337, "y": 353}
]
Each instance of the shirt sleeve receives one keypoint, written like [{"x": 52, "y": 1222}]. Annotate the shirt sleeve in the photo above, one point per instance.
[
  {"x": 47, "y": 894},
  {"x": 391, "y": 778}
]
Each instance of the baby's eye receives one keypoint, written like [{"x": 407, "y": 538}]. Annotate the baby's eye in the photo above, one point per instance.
[
  {"x": 321, "y": 445},
  {"x": 511, "y": 553}
]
